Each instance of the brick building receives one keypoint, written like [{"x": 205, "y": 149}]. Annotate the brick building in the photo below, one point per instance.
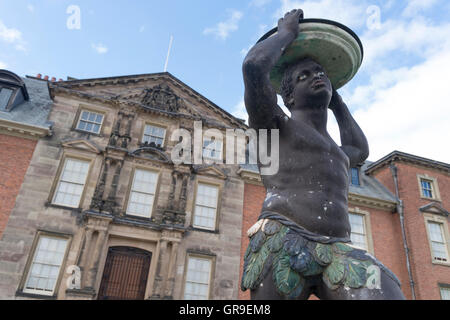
[
  {"x": 104, "y": 212},
  {"x": 24, "y": 108},
  {"x": 416, "y": 223}
]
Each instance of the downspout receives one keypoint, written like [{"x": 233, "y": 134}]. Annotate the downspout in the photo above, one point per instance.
[{"x": 400, "y": 211}]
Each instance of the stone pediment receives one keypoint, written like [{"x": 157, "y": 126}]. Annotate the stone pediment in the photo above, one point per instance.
[
  {"x": 435, "y": 208},
  {"x": 210, "y": 171},
  {"x": 160, "y": 92},
  {"x": 151, "y": 153},
  {"x": 82, "y": 145}
]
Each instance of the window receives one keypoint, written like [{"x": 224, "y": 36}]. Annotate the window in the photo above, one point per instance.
[
  {"x": 212, "y": 149},
  {"x": 354, "y": 176},
  {"x": 142, "y": 193},
  {"x": 198, "y": 276},
  {"x": 358, "y": 233},
  {"x": 90, "y": 121},
  {"x": 206, "y": 207},
  {"x": 45, "y": 268},
  {"x": 5, "y": 96},
  {"x": 445, "y": 293},
  {"x": 71, "y": 183},
  {"x": 154, "y": 134},
  {"x": 438, "y": 245},
  {"x": 427, "y": 188}
]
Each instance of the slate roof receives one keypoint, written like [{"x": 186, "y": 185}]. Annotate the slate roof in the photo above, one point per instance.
[
  {"x": 370, "y": 186},
  {"x": 36, "y": 110}
]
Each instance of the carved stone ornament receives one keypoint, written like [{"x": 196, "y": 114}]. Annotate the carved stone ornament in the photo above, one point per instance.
[{"x": 163, "y": 98}]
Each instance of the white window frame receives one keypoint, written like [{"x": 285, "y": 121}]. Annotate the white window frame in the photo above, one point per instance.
[
  {"x": 89, "y": 121},
  {"x": 153, "y": 136},
  {"x": 60, "y": 179},
  {"x": 365, "y": 234},
  {"x": 149, "y": 215},
  {"x": 209, "y": 276},
  {"x": 33, "y": 262},
  {"x": 434, "y": 257},
  {"x": 216, "y": 148},
  {"x": 434, "y": 187},
  {"x": 446, "y": 289},
  {"x": 196, "y": 205}
]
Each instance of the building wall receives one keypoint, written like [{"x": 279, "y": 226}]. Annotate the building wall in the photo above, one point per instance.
[
  {"x": 15, "y": 156},
  {"x": 426, "y": 274},
  {"x": 92, "y": 231}
]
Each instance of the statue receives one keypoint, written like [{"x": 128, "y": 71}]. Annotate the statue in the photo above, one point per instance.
[{"x": 299, "y": 246}]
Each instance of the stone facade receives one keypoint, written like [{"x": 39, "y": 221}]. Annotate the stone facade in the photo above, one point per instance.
[
  {"x": 375, "y": 199},
  {"x": 100, "y": 222}
]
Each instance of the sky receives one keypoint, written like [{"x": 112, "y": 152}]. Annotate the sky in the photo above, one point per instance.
[{"x": 400, "y": 96}]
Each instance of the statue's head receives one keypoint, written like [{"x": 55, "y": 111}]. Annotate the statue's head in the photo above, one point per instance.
[{"x": 305, "y": 82}]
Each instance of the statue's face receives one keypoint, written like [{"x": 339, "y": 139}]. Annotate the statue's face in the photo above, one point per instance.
[{"x": 311, "y": 84}]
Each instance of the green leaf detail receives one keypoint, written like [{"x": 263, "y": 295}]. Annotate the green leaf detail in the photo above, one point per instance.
[
  {"x": 255, "y": 267},
  {"x": 342, "y": 247},
  {"x": 356, "y": 274},
  {"x": 275, "y": 242},
  {"x": 314, "y": 269},
  {"x": 324, "y": 254},
  {"x": 335, "y": 272},
  {"x": 286, "y": 279}
]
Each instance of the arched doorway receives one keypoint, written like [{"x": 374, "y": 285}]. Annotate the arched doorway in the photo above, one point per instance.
[{"x": 125, "y": 274}]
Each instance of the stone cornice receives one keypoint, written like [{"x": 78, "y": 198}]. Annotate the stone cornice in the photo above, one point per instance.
[
  {"x": 370, "y": 202},
  {"x": 250, "y": 176},
  {"x": 408, "y": 158},
  {"x": 23, "y": 130}
]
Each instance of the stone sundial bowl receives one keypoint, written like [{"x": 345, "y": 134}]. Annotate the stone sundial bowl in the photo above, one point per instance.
[{"x": 331, "y": 44}]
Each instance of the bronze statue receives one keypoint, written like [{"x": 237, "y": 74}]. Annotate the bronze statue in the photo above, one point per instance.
[{"x": 298, "y": 246}]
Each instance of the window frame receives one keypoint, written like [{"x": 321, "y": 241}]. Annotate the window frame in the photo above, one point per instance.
[
  {"x": 442, "y": 287},
  {"x": 157, "y": 125},
  {"x": 200, "y": 255},
  {"x": 59, "y": 173},
  {"x": 12, "y": 97},
  {"x": 434, "y": 187},
  {"x": 92, "y": 109},
  {"x": 218, "y": 203},
  {"x": 22, "y": 291},
  {"x": 358, "y": 174},
  {"x": 211, "y": 159},
  {"x": 367, "y": 225},
  {"x": 433, "y": 218},
  {"x": 130, "y": 189}
]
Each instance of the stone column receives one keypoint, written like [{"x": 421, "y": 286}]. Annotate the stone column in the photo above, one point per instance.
[
  {"x": 95, "y": 259},
  {"x": 159, "y": 275},
  {"x": 84, "y": 258},
  {"x": 170, "y": 283}
]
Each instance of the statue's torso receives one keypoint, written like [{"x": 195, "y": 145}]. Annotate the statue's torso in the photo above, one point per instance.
[{"x": 311, "y": 186}]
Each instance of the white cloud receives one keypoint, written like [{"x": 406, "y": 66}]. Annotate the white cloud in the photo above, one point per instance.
[
  {"x": 415, "y": 6},
  {"x": 223, "y": 29},
  {"x": 412, "y": 113},
  {"x": 3, "y": 65},
  {"x": 351, "y": 13},
  {"x": 100, "y": 48},
  {"x": 9, "y": 34}
]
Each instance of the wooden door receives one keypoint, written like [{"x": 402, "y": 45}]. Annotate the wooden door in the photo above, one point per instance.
[{"x": 125, "y": 274}]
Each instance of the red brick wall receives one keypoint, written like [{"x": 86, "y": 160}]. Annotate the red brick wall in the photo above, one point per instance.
[
  {"x": 254, "y": 196},
  {"x": 426, "y": 275},
  {"x": 15, "y": 156}
]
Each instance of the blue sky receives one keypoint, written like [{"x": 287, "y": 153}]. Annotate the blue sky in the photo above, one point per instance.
[{"x": 400, "y": 97}]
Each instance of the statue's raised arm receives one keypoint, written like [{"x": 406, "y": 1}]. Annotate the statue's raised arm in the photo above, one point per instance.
[{"x": 260, "y": 96}]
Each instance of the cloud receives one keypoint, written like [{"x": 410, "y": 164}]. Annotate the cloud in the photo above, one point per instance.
[
  {"x": 100, "y": 48},
  {"x": 223, "y": 29},
  {"x": 351, "y": 13},
  {"x": 3, "y": 65},
  {"x": 416, "y": 6},
  {"x": 9, "y": 34}
]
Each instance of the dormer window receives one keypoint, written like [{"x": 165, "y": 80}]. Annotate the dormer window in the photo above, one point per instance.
[
  {"x": 354, "y": 176},
  {"x": 12, "y": 90}
]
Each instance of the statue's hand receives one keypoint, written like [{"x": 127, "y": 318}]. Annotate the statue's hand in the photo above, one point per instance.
[
  {"x": 290, "y": 21},
  {"x": 336, "y": 100}
]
